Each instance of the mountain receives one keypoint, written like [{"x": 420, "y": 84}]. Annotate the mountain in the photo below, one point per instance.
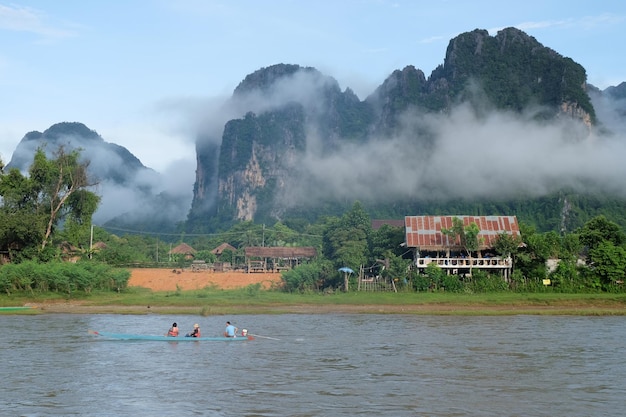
[
  {"x": 500, "y": 128},
  {"x": 504, "y": 126},
  {"x": 108, "y": 161},
  {"x": 130, "y": 191}
]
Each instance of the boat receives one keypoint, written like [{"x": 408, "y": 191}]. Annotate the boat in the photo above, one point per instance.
[
  {"x": 129, "y": 336},
  {"x": 16, "y": 308}
]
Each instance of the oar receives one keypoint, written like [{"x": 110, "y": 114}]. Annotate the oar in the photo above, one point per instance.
[{"x": 263, "y": 337}]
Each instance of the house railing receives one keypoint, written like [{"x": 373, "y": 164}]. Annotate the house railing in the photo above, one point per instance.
[{"x": 486, "y": 263}]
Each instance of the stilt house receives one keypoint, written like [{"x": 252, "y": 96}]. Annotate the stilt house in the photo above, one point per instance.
[{"x": 424, "y": 235}]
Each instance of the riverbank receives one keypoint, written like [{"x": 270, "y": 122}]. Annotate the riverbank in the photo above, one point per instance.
[
  {"x": 158, "y": 291},
  {"x": 452, "y": 308}
]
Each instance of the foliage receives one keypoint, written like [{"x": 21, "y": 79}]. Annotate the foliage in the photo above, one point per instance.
[
  {"x": 385, "y": 239},
  {"x": 62, "y": 277},
  {"x": 507, "y": 244},
  {"x": 609, "y": 263},
  {"x": 312, "y": 276},
  {"x": 482, "y": 282},
  {"x": 34, "y": 207},
  {"x": 345, "y": 240},
  {"x": 599, "y": 230},
  {"x": 465, "y": 236}
]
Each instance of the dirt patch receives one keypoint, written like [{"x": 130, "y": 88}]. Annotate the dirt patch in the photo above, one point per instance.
[{"x": 184, "y": 279}]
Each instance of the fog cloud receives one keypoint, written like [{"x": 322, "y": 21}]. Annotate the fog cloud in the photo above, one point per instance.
[{"x": 462, "y": 155}]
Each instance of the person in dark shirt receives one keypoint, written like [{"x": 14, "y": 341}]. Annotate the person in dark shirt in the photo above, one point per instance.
[{"x": 195, "y": 332}]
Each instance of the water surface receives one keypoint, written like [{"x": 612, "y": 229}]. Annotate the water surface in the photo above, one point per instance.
[{"x": 323, "y": 365}]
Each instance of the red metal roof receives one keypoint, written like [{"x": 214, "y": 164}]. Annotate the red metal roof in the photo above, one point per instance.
[{"x": 424, "y": 232}]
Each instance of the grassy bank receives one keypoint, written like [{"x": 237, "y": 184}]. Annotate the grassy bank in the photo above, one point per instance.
[{"x": 253, "y": 301}]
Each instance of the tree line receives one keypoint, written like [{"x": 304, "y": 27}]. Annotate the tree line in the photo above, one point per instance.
[{"x": 45, "y": 219}]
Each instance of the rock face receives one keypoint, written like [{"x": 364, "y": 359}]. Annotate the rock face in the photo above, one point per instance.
[{"x": 291, "y": 112}]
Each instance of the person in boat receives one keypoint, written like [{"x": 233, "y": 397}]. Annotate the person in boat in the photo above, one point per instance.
[
  {"x": 173, "y": 331},
  {"x": 195, "y": 332},
  {"x": 230, "y": 331}
]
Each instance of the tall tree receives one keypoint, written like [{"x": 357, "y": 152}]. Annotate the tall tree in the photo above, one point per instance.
[
  {"x": 56, "y": 190},
  {"x": 346, "y": 239},
  {"x": 56, "y": 181}
]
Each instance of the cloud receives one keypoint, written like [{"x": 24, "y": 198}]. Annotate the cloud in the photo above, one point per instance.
[
  {"x": 26, "y": 19},
  {"x": 585, "y": 22},
  {"x": 501, "y": 155}
]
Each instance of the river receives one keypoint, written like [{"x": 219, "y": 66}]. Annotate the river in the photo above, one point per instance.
[{"x": 321, "y": 365}]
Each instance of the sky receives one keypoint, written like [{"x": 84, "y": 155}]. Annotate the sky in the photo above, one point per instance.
[{"x": 142, "y": 72}]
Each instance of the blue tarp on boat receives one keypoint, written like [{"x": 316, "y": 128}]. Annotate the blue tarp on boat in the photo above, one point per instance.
[{"x": 128, "y": 336}]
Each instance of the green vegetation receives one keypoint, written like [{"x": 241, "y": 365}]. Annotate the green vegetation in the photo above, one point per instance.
[
  {"x": 64, "y": 278},
  {"x": 34, "y": 207},
  {"x": 591, "y": 260}
]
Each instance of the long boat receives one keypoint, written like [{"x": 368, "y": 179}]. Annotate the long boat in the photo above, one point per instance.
[
  {"x": 128, "y": 336},
  {"x": 16, "y": 308}
]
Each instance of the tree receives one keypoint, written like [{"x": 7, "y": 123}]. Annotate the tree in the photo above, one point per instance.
[
  {"x": 506, "y": 244},
  {"x": 598, "y": 230},
  {"x": 387, "y": 238},
  {"x": 466, "y": 236},
  {"x": 607, "y": 255},
  {"x": 345, "y": 240},
  {"x": 55, "y": 191},
  {"x": 609, "y": 263}
]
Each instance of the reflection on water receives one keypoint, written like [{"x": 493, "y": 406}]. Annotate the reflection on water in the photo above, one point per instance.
[{"x": 323, "y": 365}]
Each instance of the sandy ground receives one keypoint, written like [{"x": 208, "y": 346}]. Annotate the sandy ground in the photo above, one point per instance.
[{"x": 171, "y": 279}]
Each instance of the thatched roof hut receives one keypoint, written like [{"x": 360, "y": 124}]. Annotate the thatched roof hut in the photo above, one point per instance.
[
  {"x": 221, "y": 248},
  {"x": 182, "y": 249}
]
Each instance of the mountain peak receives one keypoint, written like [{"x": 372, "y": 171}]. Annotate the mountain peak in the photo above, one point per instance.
[{"x": 61, "y": 131}]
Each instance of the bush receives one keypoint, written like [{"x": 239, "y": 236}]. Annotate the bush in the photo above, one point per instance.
[
  {"x": 61, "y": 277},
  {"x": 308, "y": 277}
]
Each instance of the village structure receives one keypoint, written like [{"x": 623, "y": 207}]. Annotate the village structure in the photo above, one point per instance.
[
  {"x": 425, "y": 238},
  {"x": 257, "y": 258},
  {"x": 277, "y": 259},
  {"x": 429, "y": 244}
]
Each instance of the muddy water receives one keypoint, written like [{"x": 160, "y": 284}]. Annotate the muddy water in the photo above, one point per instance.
[{"x": 322, "y": 365}]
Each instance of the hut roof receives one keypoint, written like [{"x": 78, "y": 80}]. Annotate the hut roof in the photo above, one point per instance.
[
  {"x": 183, "y": 248},
  {"x": 281, "y": 252},
  {"x": 377, "y": 224},
  {"x": 99, "y": 245},
  {"x": 221, "y": 248},
  {"x": 424, "y": 232}
]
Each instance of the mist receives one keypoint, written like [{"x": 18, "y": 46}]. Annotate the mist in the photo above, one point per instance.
[
  {"x": 463, "y": 154},
  {"x": 500, "y": 155},
  {"x": 467, "y": 155}
]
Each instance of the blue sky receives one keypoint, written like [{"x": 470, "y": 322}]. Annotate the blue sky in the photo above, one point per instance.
[{"x": 139, "y": 71}]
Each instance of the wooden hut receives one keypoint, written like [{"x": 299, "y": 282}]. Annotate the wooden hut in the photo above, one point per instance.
[
  {"x": 221, "y": 248},
  {"x": 276, "y": 259},
  {"x": 183, "y": 249}
]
